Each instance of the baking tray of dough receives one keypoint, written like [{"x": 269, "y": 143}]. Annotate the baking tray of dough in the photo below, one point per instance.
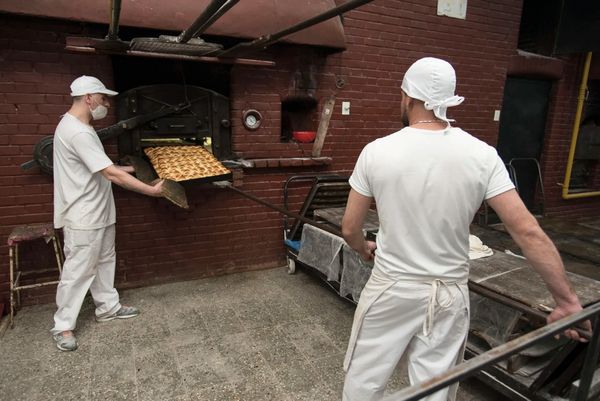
[{"x": 186, "y": 163}]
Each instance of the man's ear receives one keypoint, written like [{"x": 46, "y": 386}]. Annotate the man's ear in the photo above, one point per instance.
[{"x": 405, "y": 99}]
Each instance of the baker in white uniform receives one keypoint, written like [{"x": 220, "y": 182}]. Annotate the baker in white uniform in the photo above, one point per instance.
[
  {"x": 85, "y": 209},
  {"x": 428, "y": 180}
]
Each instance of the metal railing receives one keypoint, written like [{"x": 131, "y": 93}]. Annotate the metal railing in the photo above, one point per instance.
[{"x": 474, "y": 365}]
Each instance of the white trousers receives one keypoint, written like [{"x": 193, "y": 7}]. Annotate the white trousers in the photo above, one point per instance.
[
  {"x": 393, "y": 324},
  {"x": 89, "y": 264}
]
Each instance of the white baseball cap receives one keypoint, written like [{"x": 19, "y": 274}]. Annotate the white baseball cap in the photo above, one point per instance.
[
  {"x": 433, "y": 81},
  {"x": 87, "y": 85}
]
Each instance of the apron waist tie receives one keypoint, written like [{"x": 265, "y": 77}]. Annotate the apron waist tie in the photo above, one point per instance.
[{"x": 434, "y": 301}]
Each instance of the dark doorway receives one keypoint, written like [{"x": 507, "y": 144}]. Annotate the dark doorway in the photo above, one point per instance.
[{"x": 522, "y": 129}]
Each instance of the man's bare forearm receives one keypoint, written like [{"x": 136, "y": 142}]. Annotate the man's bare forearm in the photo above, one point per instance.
[
  {"x": 356, "y": 210},
  {"x": 354, "y": 239},
  {"x": 541, "y": 254},
  {"x": 125, "y": 180},
  {"x": 536, "y": 245},
  {"x": 546, "y": 261}
]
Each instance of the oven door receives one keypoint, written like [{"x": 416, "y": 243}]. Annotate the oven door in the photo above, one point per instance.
[{"x": 204, "y": 122}]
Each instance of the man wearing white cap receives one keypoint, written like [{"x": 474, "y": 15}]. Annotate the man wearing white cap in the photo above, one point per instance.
[
  {"x": 428, "y": 180},
  {"x": 85, "y": 209}
]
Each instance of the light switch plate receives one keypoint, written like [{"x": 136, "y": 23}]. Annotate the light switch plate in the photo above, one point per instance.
[
  {"x": 452, "y": 8},
  {"x": 345, "y": 108}
]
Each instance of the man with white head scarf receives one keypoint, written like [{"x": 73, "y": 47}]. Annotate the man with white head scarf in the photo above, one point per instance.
[
  {"x": 428, "y": 181},
  {"x": 432, "y": 81}
]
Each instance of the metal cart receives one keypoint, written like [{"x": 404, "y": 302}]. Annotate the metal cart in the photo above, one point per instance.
[{"x": 324, "y": 191}]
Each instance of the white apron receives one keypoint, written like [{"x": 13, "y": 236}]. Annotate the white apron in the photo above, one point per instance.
[{"x": 374, "y": 289}]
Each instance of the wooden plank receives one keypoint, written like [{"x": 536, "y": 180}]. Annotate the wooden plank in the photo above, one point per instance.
[
  {"x": 574, "y": 246},
  {"x": 501, "y": 240},
  {"x": 593, "y": 223},
  {"x": 514, "y": 278},
  {"x": 497, "y": 265},
  {"x": 143, "y": 171},
  {"x": 581, "y": 229},
  {"x": 570, "y": 238},
  {"x": 323, "y": 126},
  {"x": 334, "y": 216},
  {"x": 137, "y": 53},
  {"x": 172, "y": 191}
]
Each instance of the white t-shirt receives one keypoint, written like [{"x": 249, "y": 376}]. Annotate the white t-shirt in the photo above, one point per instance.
[
  {"x": 83, "y": 198},
  {"x": 427, "y": 186}
]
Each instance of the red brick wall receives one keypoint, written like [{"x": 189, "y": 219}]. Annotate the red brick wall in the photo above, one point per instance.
[
  {"x": 384, "y": 38},
  {"x": 35, "y": 73},
  {"x": 223, "y": 232}
]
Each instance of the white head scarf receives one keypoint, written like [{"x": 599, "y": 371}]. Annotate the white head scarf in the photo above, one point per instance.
[{"x": 432, "y": 81}]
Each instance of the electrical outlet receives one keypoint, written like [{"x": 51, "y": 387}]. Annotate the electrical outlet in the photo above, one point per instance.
[{"x": 496, "y": 115}]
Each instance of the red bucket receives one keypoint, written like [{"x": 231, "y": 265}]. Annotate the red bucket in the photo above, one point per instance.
[{"x": 304, "y": 136}]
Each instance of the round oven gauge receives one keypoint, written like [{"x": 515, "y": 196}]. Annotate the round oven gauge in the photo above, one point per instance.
[{"x": 251, "y": 119}]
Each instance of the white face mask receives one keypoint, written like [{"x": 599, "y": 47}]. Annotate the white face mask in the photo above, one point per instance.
[{"x": 99, "y": 112}]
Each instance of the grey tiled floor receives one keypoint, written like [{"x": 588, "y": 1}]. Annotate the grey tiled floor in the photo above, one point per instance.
[{"x": 253, "y": 336}]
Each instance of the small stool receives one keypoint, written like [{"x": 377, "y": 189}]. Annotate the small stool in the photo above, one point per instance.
[{"x": 28, "y": 233}]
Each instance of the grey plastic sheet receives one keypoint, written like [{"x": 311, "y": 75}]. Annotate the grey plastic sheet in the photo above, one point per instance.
[
  {"x": 322, "y": 251},
  {"x": 355, "y": 273},
  {"x": 329, "y": 254}
]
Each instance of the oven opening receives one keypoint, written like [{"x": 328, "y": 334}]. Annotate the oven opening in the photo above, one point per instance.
[
  {"x": 298, "y": 113},
  {"x": 182, "y": 103}
]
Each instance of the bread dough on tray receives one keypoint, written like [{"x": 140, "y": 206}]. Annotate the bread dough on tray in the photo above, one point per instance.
[{"x": 181, "y": 163}]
